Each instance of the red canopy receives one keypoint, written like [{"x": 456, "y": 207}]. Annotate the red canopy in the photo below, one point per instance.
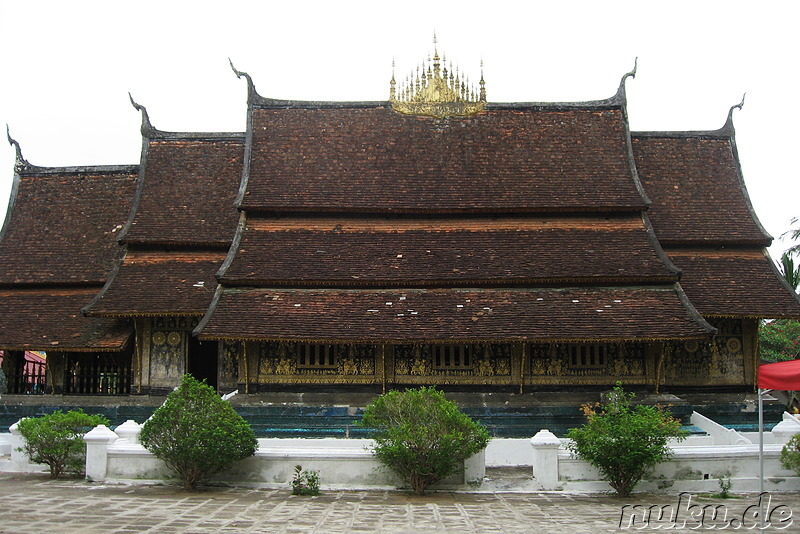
[{"x": 780, "y": 375}]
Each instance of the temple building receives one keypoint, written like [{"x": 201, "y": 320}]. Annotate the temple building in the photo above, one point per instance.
[{"x": 434, "y": 238}]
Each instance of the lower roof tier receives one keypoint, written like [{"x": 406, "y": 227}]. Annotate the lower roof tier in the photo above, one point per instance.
[
  {"x": 159, "y": 283},
  {"x": 735, "y": 283},
  {"x": 441, "y": 315},
  {"x": 51, "y": 320}
]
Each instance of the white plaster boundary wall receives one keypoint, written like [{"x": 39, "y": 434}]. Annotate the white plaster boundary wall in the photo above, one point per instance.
[
  {"x": 696, "y": 465},
  {"x": 18, "y": 461},
  {"x": 342, "y": 463},
  {"x": 5, "y": 443}
]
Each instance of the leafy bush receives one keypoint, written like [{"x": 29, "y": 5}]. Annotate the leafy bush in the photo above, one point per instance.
[
  {"x": 624, "y": 441},
  {"x": 725, "y": 485},
  {"x": 779, "y": 340},
  {"x": 422, "y": 436},
  {"x": 57, "y": 439},
  {"x": 305, "y": 482},
  {"x": 197, "y": 434},
  {"x": 790, "y": 454}
]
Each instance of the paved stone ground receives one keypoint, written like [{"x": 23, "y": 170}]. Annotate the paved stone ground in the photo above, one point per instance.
[{"x": 31, "y": 503}]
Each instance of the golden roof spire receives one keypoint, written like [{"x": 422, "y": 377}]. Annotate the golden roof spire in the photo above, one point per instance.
[{"x": 437, "y": 92}]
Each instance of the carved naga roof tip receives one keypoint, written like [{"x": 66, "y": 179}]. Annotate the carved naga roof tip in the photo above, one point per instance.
[
  {"x": 740, "y": 105},
  {"x": 251, "y": 88},
  {"x": 20, "y": 164},
  {"x": 435, "y": 90},
  {"x": 727, "y": 129},
  {"x": 147, "y": 128},
  {"x": 632, "y": 74}
]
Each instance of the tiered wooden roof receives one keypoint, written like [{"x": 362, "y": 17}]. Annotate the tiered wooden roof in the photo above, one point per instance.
[
  {"x": 525, "y": 221},
  {"x": 702, "y": 216},
  {"x": 180, "y": 227},
  {"x": 56, "y": 249}
]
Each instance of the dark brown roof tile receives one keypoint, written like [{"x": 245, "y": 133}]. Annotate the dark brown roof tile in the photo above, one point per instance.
[
  {"x": 188, "y": 192},
  {"x": 465, "y": 314},
  {"x": 160, "y": 283},
  {"x": 63, "y": 227},
  {"x": 735, "y": 284},
  {"x": 50, "y": 319},
  {"x": 408, "y": 252},
  {"x": 374, "y": 159},
  {"x": 697, "y": 192}
]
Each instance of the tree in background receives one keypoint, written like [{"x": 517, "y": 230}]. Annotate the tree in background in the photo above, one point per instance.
[
  {"x": 789, "y": 270},
  {"x": 793, "y": 234},
  {"x": 779, "y": 340}
]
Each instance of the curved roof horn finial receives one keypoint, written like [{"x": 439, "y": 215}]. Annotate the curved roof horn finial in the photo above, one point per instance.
[
  {"x": 728, "y": 128},
  {"x": 251, "y": 88},
  {"x": 21, "y": 163},
  {"x": 740, "y": 105},
  {"x": 631, "y": 74},
  {"x": 620, "y": 96},
  {"x": 147, "y": 127}
]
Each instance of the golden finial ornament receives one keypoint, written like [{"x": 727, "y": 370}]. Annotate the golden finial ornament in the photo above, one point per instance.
[
  {"x": 436, "y": 91},
  {"x": 392, "y": 84}
]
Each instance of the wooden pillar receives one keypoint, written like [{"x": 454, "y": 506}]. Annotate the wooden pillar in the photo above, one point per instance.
[
  {"x": 518, "y": 367},
  {"x": 750, "y": 351},
  {"x": 384, "y": 366},
  {"x": 141, "y": 366},
  {"x": 656, "y": 354}
]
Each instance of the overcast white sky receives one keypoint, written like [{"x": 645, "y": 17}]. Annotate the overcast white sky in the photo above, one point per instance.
[{"x": 67, "y": 68}]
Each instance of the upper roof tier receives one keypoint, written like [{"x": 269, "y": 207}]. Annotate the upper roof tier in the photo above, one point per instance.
[
  {"x": 187, "y": 190},
  {"x": 697, "y": 189},
  {"x": 63, "y": 224},
  {"x": 366, "y": 157}
]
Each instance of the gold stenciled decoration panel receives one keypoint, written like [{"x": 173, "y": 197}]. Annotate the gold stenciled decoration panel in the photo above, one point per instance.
[
  {"x": 585, "y": 363},
  {"x": 168, "y": 347},
  {"x": 453, "y": 364},
  {"x": 721, "y": 361},
  {"x": 231, "y": 353},
  {"x": 318, "y": 363},
  {"x": 499, "y": 364}
]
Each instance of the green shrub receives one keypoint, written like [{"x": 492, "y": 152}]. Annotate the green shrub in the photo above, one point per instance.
[
  {"x": 305, "y": 482},
  {"x": 779, "y": 340},
  {"x": 197, "y": 434},
  {"x": 624, "y": 441},
  {"x": 725, "y": 485},
  {"x": 422, "y": 436},
  {"x": 790, "y": 454},
  {"x": 57, "y": 439}
]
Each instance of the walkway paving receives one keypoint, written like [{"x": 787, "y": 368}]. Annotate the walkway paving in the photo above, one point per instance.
[{"x": 31, "y": 503}]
